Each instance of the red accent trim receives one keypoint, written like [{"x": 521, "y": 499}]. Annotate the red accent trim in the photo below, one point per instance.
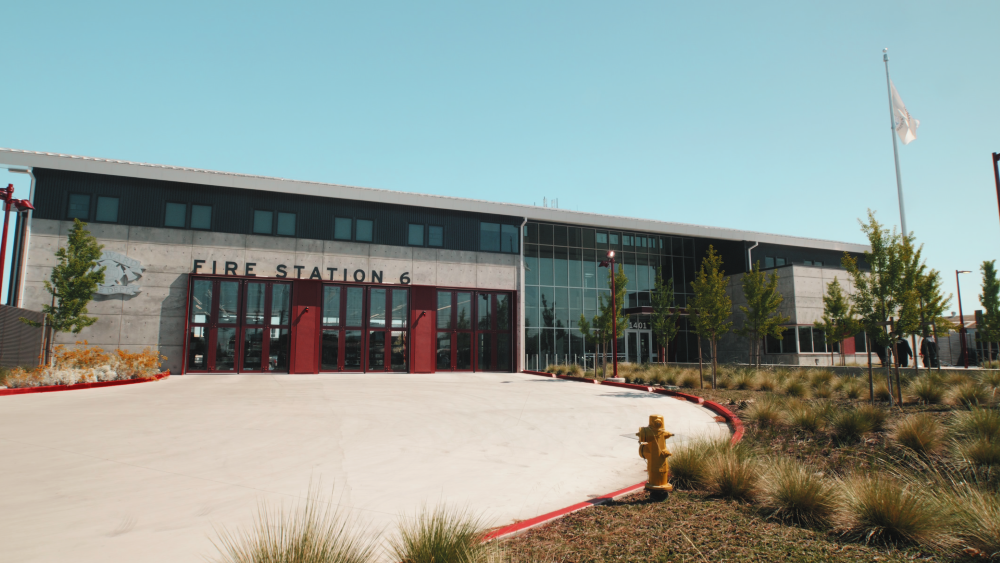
[
  {"x": 52, "y": 388},
  {"x": 187, "y": 326},
  {"x": 539, "y": 520}
]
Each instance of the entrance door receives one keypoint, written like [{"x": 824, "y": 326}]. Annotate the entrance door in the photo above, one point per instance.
[
  {"x": 454, "y": 336},
  {"x": 238, "y": 326},
  {"x": 639, "y": 346},
  {"x": 364, "y": 329},
  {"x": 474, "y": 331}
]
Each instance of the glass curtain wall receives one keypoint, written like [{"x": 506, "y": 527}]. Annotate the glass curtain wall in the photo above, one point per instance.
[{"x": 563, "y": 281}]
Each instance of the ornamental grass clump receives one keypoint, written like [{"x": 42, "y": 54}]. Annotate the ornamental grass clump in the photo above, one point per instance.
[
  {"x": 849, "y": 425},
  {"x": 970, "y": 394},
  {"x": 744, "y": 379},
  {"x": 689, "y": 379},
  {"x": 991, "y": 381},
  {"x": 796, "y": 494},
  {"x": 766, "y": 381},
  {"x": 851, "y": 388},
  {"x": 921, "y": 433},
  {"x": 875, "y": 415},
  {"x": 977, "y": 423},
  {"x": 883, "y": 508},
  {"x": 928, "y": 390},
  {"x": 977, "y": 518},
  {"x": 313, "y": 532},
  {"x": 766, "y": 412},
  {"x": 733, "y": 474},
  {"x": 796, "y": 388},
  {"x": 689, "y": 462},
  {"x": 806, "y": 417},
  {"x": 882, "y": 392},
  {"x": 439, "y": 535}
]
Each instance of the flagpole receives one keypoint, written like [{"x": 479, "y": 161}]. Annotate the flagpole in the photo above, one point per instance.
[{"x": 895, "y": 150}]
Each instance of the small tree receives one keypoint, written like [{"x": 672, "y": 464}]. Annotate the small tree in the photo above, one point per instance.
[
  {"x": 762, "y": 318},
  {"x": 712, "y": 305},
  {"x": 838, "y": 322},
  {"x": 72, "y": 284},
  {"x": 990, "y": 299},
  {"x": 665, "y": 313},
  {"x": 600, "y": 328}
]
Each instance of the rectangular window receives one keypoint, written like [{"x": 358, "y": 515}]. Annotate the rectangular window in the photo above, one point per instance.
[
  {"x": 489, "y": 237},
  {"x": 614, "y": 240},
  {"x": 286, "y": 224},
  {"x": 435, "y": 236},
  {"x": 508, "y": 239},
  {"x": 363, "y": 230},
  {"x": 769, "y": 261},
  {"x": 79, "y": 207},
  {"x": 805, "y": 339},
  {"x": 176, "y": 215},
  {"x": 602, "y": 238},
  {"x": 342, "y": 228},
  {"x": 201, "y": 217},
  {"x": 860, "y": 344},
  {"x": 107, "y": 209},
  {"x": 818, "y": 263},
  {"x": 416, "y": 235},
  {"x": 779, "y": 262},
  {"x": 262, "y": 222}
]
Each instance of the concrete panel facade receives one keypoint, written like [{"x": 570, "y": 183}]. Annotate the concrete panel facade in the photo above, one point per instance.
[{"x": 155, "y": 316}]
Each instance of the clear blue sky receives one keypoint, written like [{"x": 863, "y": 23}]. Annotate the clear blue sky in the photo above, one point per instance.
[{"x": 762, "y": 116}]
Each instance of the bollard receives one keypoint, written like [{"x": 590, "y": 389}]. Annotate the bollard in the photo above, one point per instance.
[{"x": 653, "y": 449}]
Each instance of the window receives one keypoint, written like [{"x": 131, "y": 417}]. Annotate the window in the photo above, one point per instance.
[
  {"x": 805, "y": 339},
  {"x": 779, "y": 262},
  {"x": 79, "y": 207},
  {"x": 107, "y": 209},
  {"x": 769, "y": 261},
  {"x": 818, "y": 263},
  {"x": 262, "y": 222},
  {"x": 614, "y": 239},
  {"x": 435, "y": 236},
  {"x": 201, "y": 217},
  {"x": 602, "y": 238},
  {"x": 808, "y": 262},
  {"x": 286, "y": 224},
  {"x": 364, "y": 228},
  {"x": 416, "y": 235},
  {"x": 508, "y": 238},
  {"x": 489, "y": 237},
  {"x": 342, "y": 228},
  {"x": 175, "y": 215}
]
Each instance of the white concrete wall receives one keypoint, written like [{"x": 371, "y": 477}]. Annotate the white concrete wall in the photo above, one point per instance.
[{"x": 155, "y": 316}]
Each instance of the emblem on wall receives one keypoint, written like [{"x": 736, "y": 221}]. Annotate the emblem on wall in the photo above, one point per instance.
[{"x": 120, "y": 273}]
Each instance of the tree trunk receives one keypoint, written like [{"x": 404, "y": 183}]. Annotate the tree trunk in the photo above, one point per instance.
[
  {"x": 916, "y": 355},
  {"x": 871, "y": 376},
  {"x": 715, "y": 361},
  {"x": 701, "y": 367}
]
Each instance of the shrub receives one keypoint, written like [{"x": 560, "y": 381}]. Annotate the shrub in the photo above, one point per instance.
[
  {"x": 821, "y": 378},
  {"x": 438, "y": 535},
  {"x": 733, "y": 474},
  {"x": 724, "y": 382},
  {"x": 921, "y": 433},
  {"x": 670, "y": 378},
  {"x": 689, "y": 462},
  {"x": 991, "y": 380},
  {"x": 978, "y": 423},
  {"x": 309, "y": 534},
  {"x": 882, "y": 391},
  {"x": 850, "y": 424},
  {"x": 970, "y": 394},
  {"x": 766, "y": 412},
  {"x": 979, "y": 452},
  {"x": 823, "y": 392},
  {"x": 575, "y": 369},
  {"x": 805, "y": 417},
  {"x": 551, "y": 369},
  {"x": 851, "y": 389},
  {"x": 928, "y": 390},
  {"x": 766, "y": 382},
  {"x": 793, "y": 493},
  {"x": 883, "y": 509},
  {"x": 689, "y": 380},
  {"x": 744, "y": 380},
  {"x": 875, "y": 415},
  {"x": 795, "y": 388}
]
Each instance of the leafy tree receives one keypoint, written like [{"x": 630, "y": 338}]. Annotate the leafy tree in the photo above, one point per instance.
[
  {"x": 761, "y": 312},
  {"x": 665, "y": 313},
  {"x": 933, "y": 304},
  {"x": 712, "y": 305},
  {"x": 989, "y": 331},
  {"x": 72, "y": 284},
  {"x": 838, "y": 322},
  {"x": 600, "y": 328}
]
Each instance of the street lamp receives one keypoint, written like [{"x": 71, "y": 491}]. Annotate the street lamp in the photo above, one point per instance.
[
  {"x": 996, "y": 173},
  {"x": 610, "y": 263},
  {"x": 20, "y": 205},
  {"x": 961, "y": 317}
]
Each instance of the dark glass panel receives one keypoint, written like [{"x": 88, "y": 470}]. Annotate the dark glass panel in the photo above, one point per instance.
[
  {"x": 229, "y": 302},
  {"x": 364, "y": 229},
  {"x": 376, "y": 309},
  {"x": 547, "y": 347},
  {"x": 331, "y": 305},
  {"x": 805, "y": 339},
  {"x": 352, "y": 349},
  {"x": 545, "y": 265},
  {"x": 642, "y": 272},
  {"x": 575, "y": 236},
  {"x": 329, "y": 359},
  {"x": 342, "y": 228},
  {"x": 601, "y": 240},
  {"x": 376, "y": 350},
  {"x": 463, "y": 350},
  {"x": 689, "y": 248},
  {"x": 531, "y": 264},
  {"x": 107, "y": 210},
  {"x": 489, "y": 237},
  {"x": 435, "y": 236},
  {"x": 463, "y": 310},
  {"x": 860, "y": 345},
  {"x": 253, "y": 348},
  {"x": 779, "y": 262},
  {"x": 772, "y": 345},
  {"x": 225, "y": 349},
  {"x": 589, "y": 303},
  {"x": 79, "y": 207},
  {"x": 676, "y": 246},
  {"x": 819, "y": 341},
  {"x": 201, "y": 216},
  {"x": 255, "y": 303},
  {"x": 531, "y": 306},
  {"x": 575, "y": 267},
  {"x": 262, "y": 222},
  {"x": 589, "y": 272},
  {"x": 286, "y": 224},
  {"x": 532, "y": 236},
  {"x": 679, "y": 276},
  {"x": 587, "y": 238},
  {"x": 562, "y": 344},
  {"x": 355, "y": 307},
  {"x": 484, "y": 352},
  {"x": 544, "y": 234},
  {"x": 277, "y": 354},
  {"x": 562, "y": 306},
  {"x": 400, "y": 312},
  {"x": 561, "y": 267},
  {"x": 546, "y": 306},
  {"x": 484, "y": 303},
  {"x": 201, "y": 301},
  {"x": 630, "y": 274},
  {"x": 281, "y": 304},
  {"x": 176, "y": 215},
  {"x": 444, "y": 310},
  {"x": 560, "y": 237},
  {"x": 416, "y": 235},
  {"x": 444, "y": 350},
  {"x": 508, "y": 239},
  {"x": 531, "y": 344},
  {"x": 503, "y": 352},
  {"x": 198, "y": 348},
  {"x": 503, "y": 311},
  {"x": 398, "y": 350}
]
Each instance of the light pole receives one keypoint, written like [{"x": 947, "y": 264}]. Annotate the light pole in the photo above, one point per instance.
[
  {"x": 610, "y": 263},
  {"x": 6, "y": 196},
  {"x": 961, "y": 318},
  {"x": 996, "y": 173}
]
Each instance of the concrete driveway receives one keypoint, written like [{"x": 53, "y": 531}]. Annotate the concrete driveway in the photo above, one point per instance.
[{"x": 146, "y": 472}]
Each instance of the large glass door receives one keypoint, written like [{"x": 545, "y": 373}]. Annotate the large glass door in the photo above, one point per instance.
[
  {"x": 454, "y": 336},
  {"x": 239, "y": 326},
  {"x": 364, "y": 329},
  {"x": 474, "y": 331},
  {"x": 638, "y": 346}
]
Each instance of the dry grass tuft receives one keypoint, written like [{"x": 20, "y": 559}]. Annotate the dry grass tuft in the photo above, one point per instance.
[
  {"x": 796, "y": 388},
  {"x": 921, "y": 433},
  {"x": 794, "y": 493},
  {"x": 689, "y": 463},
  {"x": 439, "y": 535},
  {"x": 970, "y": 394},
  {"x": 883, "y": 509},
  {"x": 849, "y": 425},
  {"x": 804, "y": 416},
  {"x": 733, "y": 474},
  {"x": 929, "y": 390},
  {"x": 766, "y": 412},
  {"x": 875, "y": 415}
]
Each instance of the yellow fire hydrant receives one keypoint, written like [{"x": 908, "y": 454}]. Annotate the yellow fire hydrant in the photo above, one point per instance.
[{"x": 653, "y": 449}]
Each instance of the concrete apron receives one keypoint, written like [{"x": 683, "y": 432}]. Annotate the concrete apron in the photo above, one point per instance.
[{"x": 147, "y": 472}]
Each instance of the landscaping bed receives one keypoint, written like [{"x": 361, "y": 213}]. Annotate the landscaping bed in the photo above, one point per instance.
[{"x": 82, "y": 367}]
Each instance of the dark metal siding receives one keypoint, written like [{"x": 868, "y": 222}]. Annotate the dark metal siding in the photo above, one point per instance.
[
  {"x": 20, "y": 344},
  {"x": 142, "y": 202}
]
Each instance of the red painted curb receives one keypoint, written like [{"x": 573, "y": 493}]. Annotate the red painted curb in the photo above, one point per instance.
[
  {"x": 519, "y": 527},
  {"x": 539, "y": 520},
  {"x": 53, "y": 388}
]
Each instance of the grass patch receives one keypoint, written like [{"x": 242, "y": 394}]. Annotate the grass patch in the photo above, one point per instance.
[
  {"x": 928, "y": 390},
  {"x": 921, "y": 433},
  {"x": 689, "y": 463},
  {"x": 970, "y": 394},
  {"x": 883, "y": 509},
  {"x": 794, "y": 493},
  {"x": 765, "y": 412},
  {"x": 441, "y": 534},
  {"x": 850, "y": 424},
  {"x": 733, "y": 474}
]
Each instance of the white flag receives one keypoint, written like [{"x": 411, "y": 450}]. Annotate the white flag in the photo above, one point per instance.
[{"x": 906, "y": 125}]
